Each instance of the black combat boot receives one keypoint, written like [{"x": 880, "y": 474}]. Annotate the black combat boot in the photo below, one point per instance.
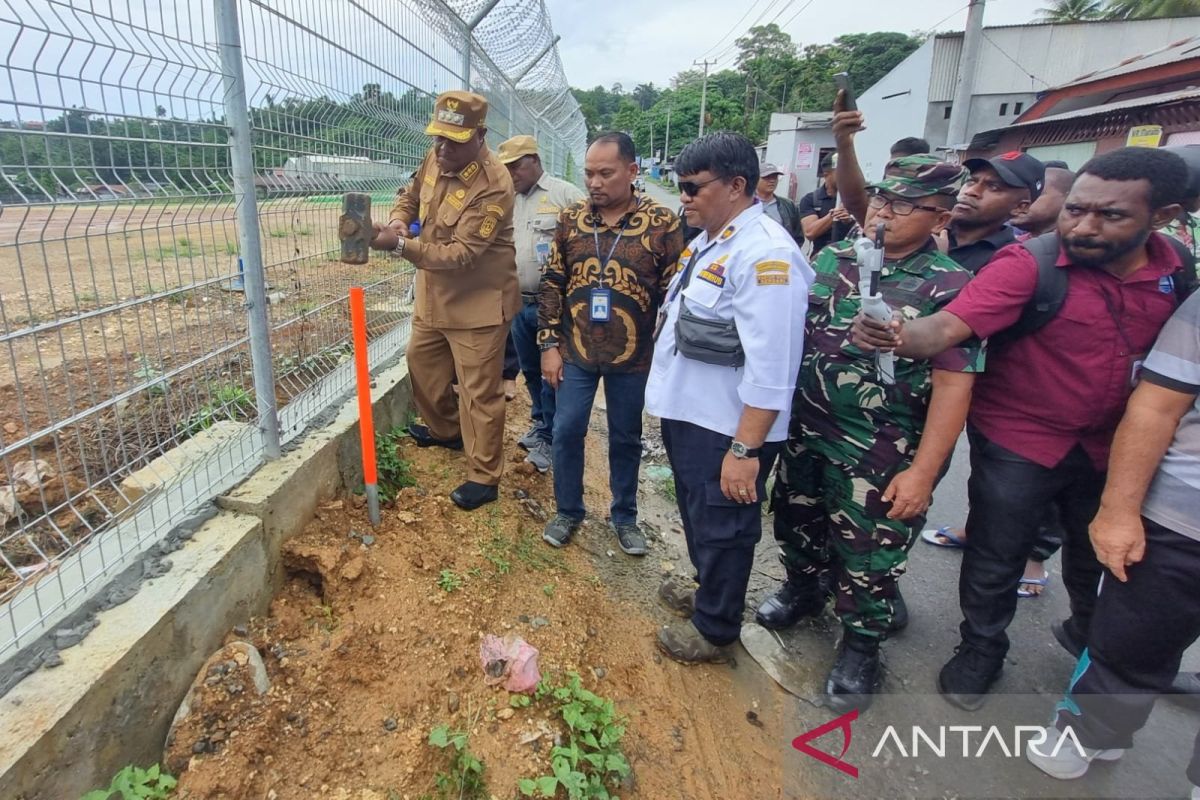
[
  {"x": 799, "y": 597},
  {"x": 855, "y": 675}
]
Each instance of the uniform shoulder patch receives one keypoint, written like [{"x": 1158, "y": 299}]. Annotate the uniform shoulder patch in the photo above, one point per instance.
[
  {"x": 469, "y": 171},
  {"x": 487, "y": 227},
  {"x": 492, "y": 208},
  {"x": 772, "y": 273},
  {"x": 428, "y": 179}
]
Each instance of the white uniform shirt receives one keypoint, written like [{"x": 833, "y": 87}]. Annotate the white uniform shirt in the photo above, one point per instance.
[
  {"x": 535, "y": 216},
  {"x": 754, "y": 274}
]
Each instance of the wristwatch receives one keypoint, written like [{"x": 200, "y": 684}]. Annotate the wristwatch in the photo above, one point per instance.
[
  {"x": 544, "y": 346},
  {"x": 399, "y": 248},
  {"x": 740, "y": 450}
]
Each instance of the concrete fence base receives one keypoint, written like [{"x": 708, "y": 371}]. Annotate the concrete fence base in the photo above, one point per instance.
[{"x": 67, "y": 730}]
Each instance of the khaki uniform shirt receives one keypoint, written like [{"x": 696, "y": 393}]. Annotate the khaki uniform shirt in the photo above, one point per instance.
[
  {"x": 465, "y": 258},
  {"x": 535, "y": 215}
]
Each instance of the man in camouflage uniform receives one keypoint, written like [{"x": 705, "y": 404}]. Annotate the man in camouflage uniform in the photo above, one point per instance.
[{"x": 859, "y": 467}]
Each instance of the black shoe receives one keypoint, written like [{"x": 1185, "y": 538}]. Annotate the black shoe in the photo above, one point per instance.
[
  {"x": 630, "y": 538},
  {"x": 1068, "y": 637},
  {"x": 899, "y": 613},
  {"x": 420, "y": 435},
  {"x": 855, "y": 675},
  {"x": 559, "y": 530},
  {"x": 472, "y": 495},
  {"x": 796, "y": 599},
  {"x": 967, "y": 677}
]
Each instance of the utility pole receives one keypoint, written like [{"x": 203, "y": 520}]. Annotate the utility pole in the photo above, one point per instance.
[
  {"x": 667, "y": 144},
  {"x": 960, "y": 108},
  {"x": 703, "y": 93},
  {"x": 652, "y": 141}
]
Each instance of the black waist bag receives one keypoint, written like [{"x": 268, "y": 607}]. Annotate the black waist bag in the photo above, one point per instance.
[{"x": 711, "y": 341}]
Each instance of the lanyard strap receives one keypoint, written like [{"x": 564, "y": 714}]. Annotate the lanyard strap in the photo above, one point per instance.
[
  {"x": 687, "y": 271},
  {"x": 616, "y": 239}
]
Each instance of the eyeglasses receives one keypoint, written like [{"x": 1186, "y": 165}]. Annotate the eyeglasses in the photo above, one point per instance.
[
  {"x": 900, "y": 206},
  {"x": 691, "y": 188}
]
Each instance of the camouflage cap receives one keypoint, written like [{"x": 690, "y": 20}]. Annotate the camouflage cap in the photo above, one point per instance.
[{"x": 921, "y": 176}]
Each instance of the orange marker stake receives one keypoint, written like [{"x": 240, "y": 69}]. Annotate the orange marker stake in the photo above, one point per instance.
[{"x": 366, "y": 423}]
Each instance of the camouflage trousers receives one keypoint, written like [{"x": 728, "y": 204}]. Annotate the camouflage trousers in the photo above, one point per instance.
[{"x": 830, "y": 516}]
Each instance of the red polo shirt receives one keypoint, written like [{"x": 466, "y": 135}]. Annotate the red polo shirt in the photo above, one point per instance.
[{"x": 1067, "y": 383}]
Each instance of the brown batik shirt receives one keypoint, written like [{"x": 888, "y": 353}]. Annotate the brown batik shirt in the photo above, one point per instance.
[{"x": 648, "y": 241}]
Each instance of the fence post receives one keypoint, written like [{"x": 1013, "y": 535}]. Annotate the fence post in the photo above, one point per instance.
[{"x": 237, "y": 117}]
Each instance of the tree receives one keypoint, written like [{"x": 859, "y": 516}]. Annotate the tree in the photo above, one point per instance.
[
  {"x": 1148, "y": 9},
  {"x": 645, "y": 95},
  {"x": 764, "y": 41},
  {"x": 1071, "y": 11},
  {"x": 870, "y": 56}
]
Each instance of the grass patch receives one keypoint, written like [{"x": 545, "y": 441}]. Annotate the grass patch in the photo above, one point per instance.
[
  {"x": 449, "y": 581},
  {"x": 229, "y": 401},
  {"x": 277, "y": 233}
]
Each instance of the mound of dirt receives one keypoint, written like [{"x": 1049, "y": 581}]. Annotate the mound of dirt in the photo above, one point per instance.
[{"x": 374, "y": 641}]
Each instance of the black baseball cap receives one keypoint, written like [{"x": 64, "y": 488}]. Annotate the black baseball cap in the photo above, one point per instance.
[{"x": 1016, "y": 169}]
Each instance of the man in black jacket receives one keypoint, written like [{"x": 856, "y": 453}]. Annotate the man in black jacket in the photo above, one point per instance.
[{"x": 780, "y": 209}]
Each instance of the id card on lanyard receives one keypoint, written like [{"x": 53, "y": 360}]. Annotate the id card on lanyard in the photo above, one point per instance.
[{"x": 600, "y": 299}]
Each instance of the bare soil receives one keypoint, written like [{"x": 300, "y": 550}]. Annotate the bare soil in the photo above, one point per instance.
[{"x": 367, "y": 653}]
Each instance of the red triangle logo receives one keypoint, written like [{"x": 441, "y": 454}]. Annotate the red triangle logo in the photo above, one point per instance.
[{"x": 801, "y": 743}]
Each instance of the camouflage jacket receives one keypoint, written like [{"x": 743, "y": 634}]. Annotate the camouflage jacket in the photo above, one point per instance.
[{"x": 841, "y": 408}]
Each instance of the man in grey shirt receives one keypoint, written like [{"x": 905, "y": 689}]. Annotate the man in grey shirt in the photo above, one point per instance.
[{"x": 1147, "y": 534}]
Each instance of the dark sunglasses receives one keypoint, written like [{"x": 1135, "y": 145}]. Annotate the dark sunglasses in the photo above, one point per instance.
[{"x": 691, "y": 188}]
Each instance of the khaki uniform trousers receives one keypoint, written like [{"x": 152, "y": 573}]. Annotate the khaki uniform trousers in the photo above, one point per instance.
[{"x": 476, "y": 355}]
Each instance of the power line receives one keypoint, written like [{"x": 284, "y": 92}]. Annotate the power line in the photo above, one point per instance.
[
  {"x": 948, "y": 16},
  {"x": 733, "y": 45},
  {"x": 798, "y": 13},
  {"x": 732, "y": 28},
  {"x": 1004, "y": 53}
]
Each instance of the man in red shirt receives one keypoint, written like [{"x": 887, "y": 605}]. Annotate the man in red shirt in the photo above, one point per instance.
[{"x": 1043, "y": 414}]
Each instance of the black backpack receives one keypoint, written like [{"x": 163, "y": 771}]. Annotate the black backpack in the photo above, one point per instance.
[{"x": 1051, "y": 288}]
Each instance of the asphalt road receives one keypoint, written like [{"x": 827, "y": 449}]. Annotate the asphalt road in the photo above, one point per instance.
[{"x": 1034, "y": 678}]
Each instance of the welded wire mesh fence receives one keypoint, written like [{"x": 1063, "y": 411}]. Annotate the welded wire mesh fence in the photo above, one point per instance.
[{"x": 127, "y": 389}]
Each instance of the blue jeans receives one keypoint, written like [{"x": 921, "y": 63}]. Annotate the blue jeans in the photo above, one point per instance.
[
  {"x": 541, "y": 395},
  {"x": 625, "y": 396}
]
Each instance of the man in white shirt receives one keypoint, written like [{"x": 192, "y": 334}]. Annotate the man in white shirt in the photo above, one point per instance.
[{"x": 725, "y": 361}]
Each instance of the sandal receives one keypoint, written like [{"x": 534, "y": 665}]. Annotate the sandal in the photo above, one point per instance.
[
  {"x": 944, "y": 537},
  {"x": 1042, "y": 582}
]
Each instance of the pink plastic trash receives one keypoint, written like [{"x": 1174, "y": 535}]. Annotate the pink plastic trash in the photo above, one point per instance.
[{"x": 511, "y": 661}]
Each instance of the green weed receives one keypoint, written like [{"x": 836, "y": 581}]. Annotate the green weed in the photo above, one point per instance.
[
  {"x": 548, "y": 590},
  {"x": 278, "y": 233},
  {"x": 228, "y": 401},
  {"x": 395, "y": 473},
  {"x": 463, "y": 779},
  {"x": 591, "y": 765},
  {"x": 135, "y": 783},
  {"x": 231, "y": 248},
  {"x": 148, "y": 372},
  {"x": 448, "y": 581}
]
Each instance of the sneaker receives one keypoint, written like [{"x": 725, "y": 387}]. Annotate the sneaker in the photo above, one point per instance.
[
  {"x": 679, "y": 595},
  {"x": 683, "y": 643},
  {"x": 967, "y": 677},
  {"x": 1059, "y": 758},
  {"x": 855, "y": 675},
  {"x": 541, "y": 456},
  {"x": 630, "y": 538},
  {"x": 559, "y": 530},
  {"x": 530, "y": 438}
]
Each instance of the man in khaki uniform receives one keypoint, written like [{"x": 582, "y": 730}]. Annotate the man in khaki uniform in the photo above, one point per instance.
[
  {"x": 539, "y": 199},
  {"x": 466, "y": 290}
]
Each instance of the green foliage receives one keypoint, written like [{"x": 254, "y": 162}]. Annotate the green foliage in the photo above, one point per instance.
[
  {"x": 463, "y": 779},
  {"x": 1071, "y": 11},
  {"x": 135, "y": 783},
  {"x": 771, "y": 75},
  {"x": 1149, "y": 9},
  {"x": 148, "y": 372},
  {"x": 395, "y": 473},
  {"x": 591, "y": 765},
  {"x": 448, "y": 581},
  {"x": 227, "y": 401}
]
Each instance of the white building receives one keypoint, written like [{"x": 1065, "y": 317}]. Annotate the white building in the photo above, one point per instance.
[
  {"x": 795, "y": 143},
  {"x": 1016, "y": 64}
]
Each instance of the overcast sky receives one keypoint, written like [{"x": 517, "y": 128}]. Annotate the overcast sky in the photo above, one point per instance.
[{"x": 641, "y": 41}]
